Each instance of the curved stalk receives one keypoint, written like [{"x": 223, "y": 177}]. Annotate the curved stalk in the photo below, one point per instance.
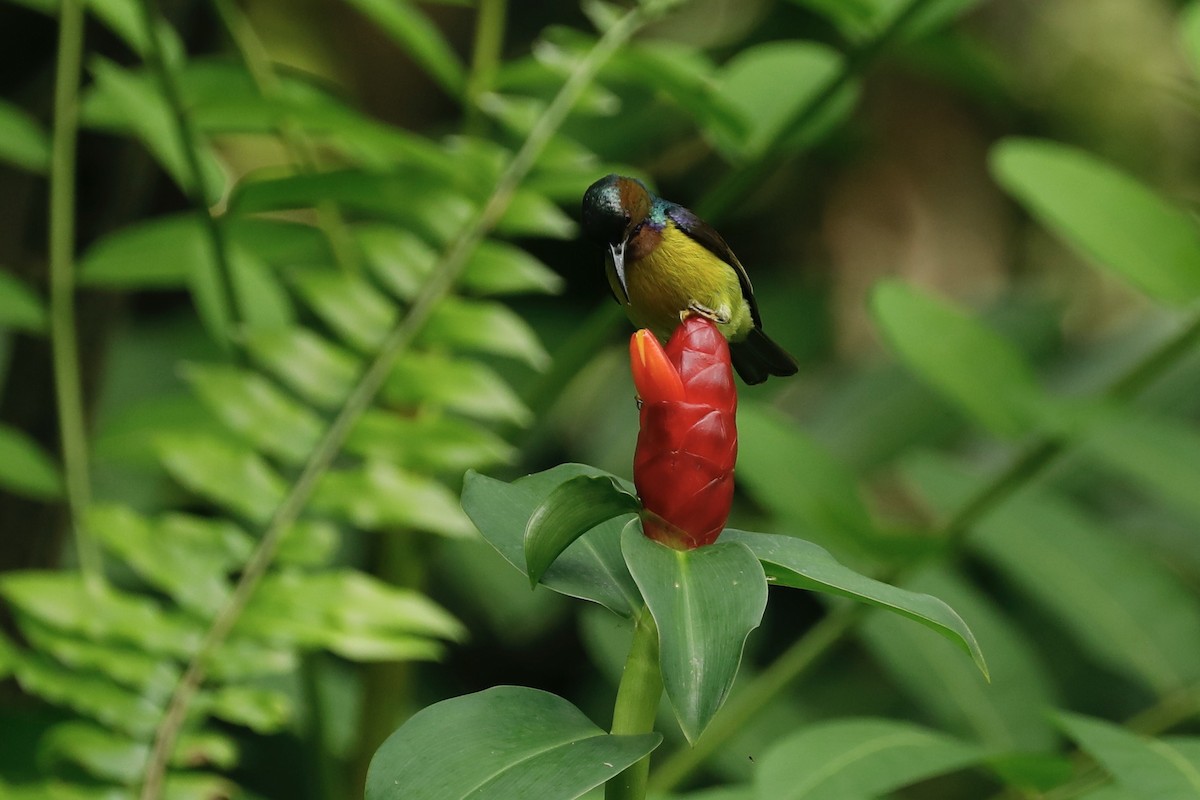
[
  {"x": 637, "y": 703},
  {"x": 63, "y": 335},
  {"x": 447, "y": 271}
]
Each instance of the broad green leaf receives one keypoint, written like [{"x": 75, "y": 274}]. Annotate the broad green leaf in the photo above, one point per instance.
[
  {"x": 1105, "y": 214},
  {"x": 227, "y": 474},
  {"x": 1006, "y": 713},
  {"x": 434, "y": 381},
  {"x": 804, "y": 565},
  {"x": 354, "y": 309},
  {"x": 187, "y": 557},
  {"x": 532, "y": 214},
  {"x": 261, "y": 709},
  {"x": 349, "y": 613},
  {"x": 705, "y": 602},
  {"x": 61, "y": 601},
  {"x": 797, "y": 480},
  {"x": 23, "y": 143},
  {"x": 134, "y": 100},
  {"x": 255, "y": 409},
  {"x": 481, "y": 326},
  {"x": 88, "y": 694},
  {"x": 408, "y": 26},
  {"x": 857, "y": 758},
  {"x": 380, "y": 496},
  {"x": 1164, "y": 769},
  {"x": 427, "y": 442},
  {"x": 20, "y": 308},
  {"x": 1110, "y": 596},
  {"x": 962, "y": 359},
  {"x": 591, "y": 568},
  {"x": 750, "y": 84},
  {"x": 148, "y": 674},
  {"x": 25, "y": 468},
  {"x": 501, "y": 743},
  {"x": 569, "y": 511},
  {"x": 318, "y": 371}
]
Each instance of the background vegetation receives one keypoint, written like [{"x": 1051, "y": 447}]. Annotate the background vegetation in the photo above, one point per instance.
[{"x": 315, "y": 259}]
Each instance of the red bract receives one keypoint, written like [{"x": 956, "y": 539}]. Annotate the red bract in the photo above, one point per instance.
[{"x": 687, "y": 446}]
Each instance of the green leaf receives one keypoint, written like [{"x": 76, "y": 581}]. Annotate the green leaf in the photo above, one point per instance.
[
  {"x": 321, "y": 373},
  {"x": 591, "y": 568},
  {"x": 480, "y": 326},
  {"x": 434, "y": 381},
  {"x": 499, "y": 268},
  {"x": 354, "y": 309},
  {"x": 804, "y": 565},
  {"x": 1105, "y": 214},
  {"x": 23, "y": 143},
  {"x": 187, "y": 557},
  {"x": 260, "y": 709},
  {"x": 228, "y": 474},
  {"x": 1110, "y": 596},
  {"x": 569, "y": 511},
  {"x": 88, "y": 694},
  {"x": 148, "y": 674},
  {"x": 426, "y": 203},
  {"x": 1006, "y": 713},
  {"x": 133, "y": 99},
  {"x": 1165, "y": 769},
  {"x": 349, "y": 613},
  {"x": 856, "y": 758},
  {"x": 113, "y": 757},
  {"x": 750, "y": 84},
  {"x": 61, "y": 600},
  {"x": 427, "y": 442},
  {"x": 20, "y": 308},
  {"x": 380, "y": 496},
  {"x": 25, "y": 468},
  {"x": 500, "y": 743},
  {"x": 706, "y": 602},
  {"x": 408, "y": 26},
  {"x": 797, "y": 480},
  {"x": 959, "y": 357},
  {"x": 401, "y": 260},
  {"x": 532, "y": 214},
  {"x": 255, "y": 409}
]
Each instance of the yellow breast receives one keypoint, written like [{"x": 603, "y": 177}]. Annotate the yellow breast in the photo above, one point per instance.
[{"x": 675, "y": 275}]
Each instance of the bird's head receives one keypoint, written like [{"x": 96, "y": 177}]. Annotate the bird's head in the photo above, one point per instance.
[{"x": 613, "y": 207}]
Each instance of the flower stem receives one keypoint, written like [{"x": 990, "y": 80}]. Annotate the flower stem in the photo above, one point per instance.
[
  {"x": 637, "y": 703},
  {"x": 64, "y": 337}
]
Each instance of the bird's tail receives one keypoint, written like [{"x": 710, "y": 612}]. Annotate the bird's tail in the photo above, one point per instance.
[{"x": 757, "y": 356}]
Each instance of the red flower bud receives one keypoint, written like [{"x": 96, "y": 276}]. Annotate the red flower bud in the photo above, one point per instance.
[{"x": 687, "y": 446}]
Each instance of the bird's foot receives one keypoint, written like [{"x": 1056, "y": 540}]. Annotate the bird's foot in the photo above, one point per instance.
[{"x": 721, "y": 316}]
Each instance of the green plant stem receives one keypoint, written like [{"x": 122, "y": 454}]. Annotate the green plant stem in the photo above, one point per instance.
[
  {"x": 637, "y": 704},
  {"x": 1023, "y": 468},
  {"x": 485, "y": 57},
  {"x": 68, "y": 388},
  {"x": 198, "y": 189},
  {"x": 447, "y": 271}
]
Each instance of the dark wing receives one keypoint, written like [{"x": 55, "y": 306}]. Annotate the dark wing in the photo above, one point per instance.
[{"x": 707, "y": 236}]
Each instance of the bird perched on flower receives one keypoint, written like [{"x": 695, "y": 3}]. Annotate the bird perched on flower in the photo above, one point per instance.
[{"x": 664, "y": 263}]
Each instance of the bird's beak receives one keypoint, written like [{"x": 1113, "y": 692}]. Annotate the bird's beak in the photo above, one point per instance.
[{"x": 618, "y": 257}]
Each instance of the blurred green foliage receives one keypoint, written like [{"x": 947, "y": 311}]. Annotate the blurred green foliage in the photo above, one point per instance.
[{"x": 974, "y": 220}]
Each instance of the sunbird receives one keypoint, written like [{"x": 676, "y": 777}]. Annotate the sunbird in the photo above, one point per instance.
[{"x": 664, "y": 263}]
